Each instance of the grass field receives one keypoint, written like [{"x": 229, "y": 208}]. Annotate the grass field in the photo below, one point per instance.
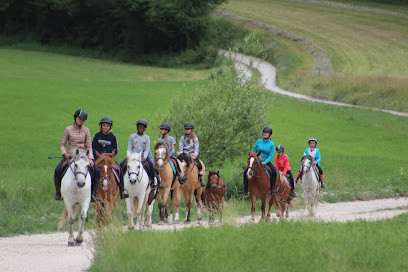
[
  {"x": 362, "y": 150},
  {"x": 369, "y": 51}
]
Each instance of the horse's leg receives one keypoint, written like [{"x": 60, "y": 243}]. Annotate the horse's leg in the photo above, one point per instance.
[
  {"x": 277, "y": 207},
  {"x": 140, "y": 211},
  {"x": 253, "y": 208},
  {"x": 164, "y": 204},
  {"x": 263, "y": 199},
  {"x": 82, "y": 219},
  {"x": 172, "y": 205},
  {"x": 129, "y": 204},
  {"x": 188, "y": 196},
  {"x": 270, "y": 207},
  {"x": 71, "y": 217},
  {"x": 177, "y": 197},
  {"x": 198, "y": 202},
  {"x": 149, "y": 214},
  {"x": 287, "y": 210}
]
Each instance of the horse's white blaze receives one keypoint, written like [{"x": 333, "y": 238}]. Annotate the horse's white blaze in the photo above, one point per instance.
[
  {"x": 161, "y": 156},
  {"x": 251, "y": 161}
]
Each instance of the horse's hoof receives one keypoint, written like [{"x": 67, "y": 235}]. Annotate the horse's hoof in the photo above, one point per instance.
[
  {"x": 187, "y": 222},
  {"x": 78, "y": 242},
  {"x": 175, "y": 222},
  {"x": 287, "y": 216},
  {"x": 161, "y": 223},
  {"x": 71, "y": 244}
]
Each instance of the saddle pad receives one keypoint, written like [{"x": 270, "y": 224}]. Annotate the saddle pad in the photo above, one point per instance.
[
  {"x": 116, "y": 172},
  {"x": 268, "y": 170}
]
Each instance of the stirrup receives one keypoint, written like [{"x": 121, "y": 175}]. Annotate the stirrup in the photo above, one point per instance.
[
  {"x": 58, "y": 197},
  {"x": 124, "y": 194},
  {"x": 182, "y": 180},
  {"x": 293, "y": 194},
  {"x": 274, "y": 191},
  {"x": 322, "y": 185}
]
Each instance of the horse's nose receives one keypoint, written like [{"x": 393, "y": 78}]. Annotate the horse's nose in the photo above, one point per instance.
[
  {"x": 214, "y": 187},
  {"x": 81, "y": 184},
  {"x": 132, "y": 181}
]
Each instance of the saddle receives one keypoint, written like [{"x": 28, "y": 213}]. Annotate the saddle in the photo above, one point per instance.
[{"x": 268, "y": 170}]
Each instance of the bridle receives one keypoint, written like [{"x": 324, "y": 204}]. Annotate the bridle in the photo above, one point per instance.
[
  {"x": 136, "y": 173},
  {"x": 254, "y": 169},
  {"x": 165, "y": 160},
  {"x": 218, "y": 181},
  {"x": 77, "y": 172},
  {"x": 309, "y": 166}
]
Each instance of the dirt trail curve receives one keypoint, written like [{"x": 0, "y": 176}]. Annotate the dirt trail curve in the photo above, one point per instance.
[{"x": 49, "y": 252}]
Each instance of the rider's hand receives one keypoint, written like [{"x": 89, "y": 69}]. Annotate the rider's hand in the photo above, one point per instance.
[
  {"x": 263, "y": 163},
  {"x": 91, "y": 162},
  {"x": 67, "y": 156},
  {"x": 314, "y": 162},
  {"x": 143, "y": 159}
]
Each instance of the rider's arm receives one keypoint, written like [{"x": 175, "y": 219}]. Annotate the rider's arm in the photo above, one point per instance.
[
  {"x": 88, "y": 143},
  {"x": 318, "y": 157},
  {"x": 147, "y": 148},
  {"x": 196, "y": 147},
  {"x": 173, "y": 147},
  {"x": 272, "y": 150},
  {"x": 130, "y": 144},
  {"x": 64, "y": 140},
  {"x": 181, "y": 145},
  {"x": 286, "y": 163},
  {"x": 94, "y": 143}
]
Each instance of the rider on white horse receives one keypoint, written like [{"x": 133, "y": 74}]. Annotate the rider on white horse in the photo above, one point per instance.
[
  {"x": 282, "y": 163},
  {"x": 314, "y": 152},
  {"x": 267, "y": 148},
  {"x": 189, "y": 144},
  {"x": 78, "y": 137},
  {"x": 105, "y": 142},
  {"x": 165, "y": 128},
  {"x": 140, "y": 143}
]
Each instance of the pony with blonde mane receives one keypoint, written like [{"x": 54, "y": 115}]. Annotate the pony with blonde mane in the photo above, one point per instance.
[
  {"x": 282, "y": 199},
  {"x": 170, "y": 183},
  {"x": 108, "y": 189},
  {"x": 76, "y": 189},
  {"x": 136, "y": 182},
  {"x": 190, "y": 170}
]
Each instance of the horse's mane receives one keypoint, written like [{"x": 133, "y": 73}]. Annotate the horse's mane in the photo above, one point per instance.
[
  {"x": 308, "y": 157},
  {"x": 185, "y": 157},
  {"x": 81, "y": 155},
  {"x": 158, "y": 145},
  {"x": 135, "y": 156}
]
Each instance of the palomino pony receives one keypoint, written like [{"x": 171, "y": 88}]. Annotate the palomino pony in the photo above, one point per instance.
[
  {"x": 214, "y": 193},
  {"x": 259, "y": 185},
  {"x": 282, "y": 199},
  {"x": 108, "y": 190},
  {"x": 170, "y": 183},
  {"x": 76, "y": 189},
  {"x": 136, "y": 182},
  {"x": 190, "y": 170},
  {"x": 310, "y": 184}
]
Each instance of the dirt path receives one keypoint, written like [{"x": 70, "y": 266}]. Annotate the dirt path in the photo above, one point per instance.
[{"x": 49, "y": 252}]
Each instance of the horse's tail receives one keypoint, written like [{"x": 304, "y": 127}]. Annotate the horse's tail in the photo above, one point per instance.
[{"x": 64, "y": 216}]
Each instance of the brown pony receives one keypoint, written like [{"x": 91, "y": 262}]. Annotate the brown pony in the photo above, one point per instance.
[
  {"x": 214, "y": 193},
  {"x": 190, "y": 170},
  {"x": 108, "y": 190},
  {"x": 162, "y": 164},
  {"x": 259, "y": 185},
  {"x": 282, "y": 199}
]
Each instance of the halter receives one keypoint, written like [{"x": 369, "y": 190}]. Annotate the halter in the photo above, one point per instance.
[
  {"x": 254, "y": 170},
  {"x": 136, "y": 174},
  {"x": 165, "y": 160},
  {"x": 75, "y": 172},
  {"x": 218, "y": 181},
  {"x": 310, "y": 167}
]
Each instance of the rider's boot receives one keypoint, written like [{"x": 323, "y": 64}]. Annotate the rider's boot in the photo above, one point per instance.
[
  {"x": 321, "y": 179},
  {"x": 201, "y": 177},
  {"x": 274, "y": 190},
  {"x": 293, "y": 194},
  {"x": 123, "y": 192},
  {"x": 245, "y": 191},
  {"x": 57, "y": 183},
  {"x": 94, "y": 187}
]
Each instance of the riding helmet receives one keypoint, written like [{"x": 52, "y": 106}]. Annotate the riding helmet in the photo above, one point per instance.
[
  {"x": 280, "y": 148},
  {"x": 312, "y": 139},
  {"x": 81, "y": 114},
  {"x": 188, "y": 125},
  {"x": 165, "y": 126},
  {"x": 107, "y": 120},
  {"x": 141, "y": 121},
  {"x": 267, "y": 129}
]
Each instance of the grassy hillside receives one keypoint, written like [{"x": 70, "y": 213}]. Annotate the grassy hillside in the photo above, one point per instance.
[
  {"x": 369, "y": 51},
  {"x": 363, "y": 153}
]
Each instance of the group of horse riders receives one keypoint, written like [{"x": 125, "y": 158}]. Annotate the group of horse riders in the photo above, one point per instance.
[
  {"x": 266, "y": 148},
  {"x": 79, "y": 137}
]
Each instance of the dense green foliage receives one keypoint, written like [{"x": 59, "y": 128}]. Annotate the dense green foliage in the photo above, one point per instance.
[
  {"x": 282, "y": 246},
  {"x": 135, "y": 26}
]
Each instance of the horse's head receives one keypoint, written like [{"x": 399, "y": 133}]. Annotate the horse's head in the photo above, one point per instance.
[
  {"x": 213, "y": 180},
  {"x": 253, "y": 164},
  {"x": 307, "y": 163},
  {"x": 134, "y": 167},
  {"x": 160, "y": 154},
  {"x": 80, "y": 164},
  {"x": 105, "y": 161}
]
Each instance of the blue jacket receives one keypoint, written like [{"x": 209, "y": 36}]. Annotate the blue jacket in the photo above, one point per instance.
[
  {"x": 315, "y": 154},
  {"x": 267, "y": 149}
]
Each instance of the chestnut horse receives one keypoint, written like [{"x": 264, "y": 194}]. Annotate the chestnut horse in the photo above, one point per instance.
[
  {"x": 190, "y": 170},
  {"x": 282, "y": 199},
  {"x": 259, "y": 184},
  {"x": 108, "y": 190},
  {"x": 214, "y": 193},
  {"x": 162, "y": 164}
]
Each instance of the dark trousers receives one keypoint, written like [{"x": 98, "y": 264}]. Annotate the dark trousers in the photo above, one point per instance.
[
  {"x": 291, "y": 180},
  {"x": 199, "y": 165},
  {"x": 320, "y": 169}
]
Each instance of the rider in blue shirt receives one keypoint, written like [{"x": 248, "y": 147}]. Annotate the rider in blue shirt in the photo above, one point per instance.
[
  {"x": 313, "y": 151},
  {"x": 267, "y": 149}
]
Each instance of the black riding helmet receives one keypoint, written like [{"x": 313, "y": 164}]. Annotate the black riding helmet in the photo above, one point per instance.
[
  {"x": 188, "y": 125},
  {"x": 81, "y": 114},
  {"x": 267, "y": 129},
  {"x": 280, "y": 148},
  {"x": 141, "y": 121},
  {"x": 165, "y": 126},
  {"x": 107, "y": 120}
]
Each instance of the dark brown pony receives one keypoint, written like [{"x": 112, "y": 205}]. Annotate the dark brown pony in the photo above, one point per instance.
[
  {"x": 259, "y": 185},
  {"x": 108, "y": 190},
  {"x": 214, "y": 193},
  {"x": 282, "y": 199}
]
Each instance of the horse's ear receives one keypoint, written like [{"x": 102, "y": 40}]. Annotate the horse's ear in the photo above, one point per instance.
[
  {"x": 97, "y": 154},
  {"x": 77, "y": 152},
  {"x": 155, "y": 143},
  {"x": 112, "y": 154},
  {"x": 87, "y": 153},
  {"x": 128, "y": 154},
  {"x": 259, "y": 153},
  {"x": 249, "y": 152}
]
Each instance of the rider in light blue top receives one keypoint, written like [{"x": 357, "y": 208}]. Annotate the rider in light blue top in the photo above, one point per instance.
[
  {"x": 266, "y": 147},
  {"x": 314, "y": 152}
]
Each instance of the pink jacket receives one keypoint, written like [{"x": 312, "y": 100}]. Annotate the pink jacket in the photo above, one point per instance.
[
  {"x": 76, "y": 138},
  {"x": 282, "y": 163}
]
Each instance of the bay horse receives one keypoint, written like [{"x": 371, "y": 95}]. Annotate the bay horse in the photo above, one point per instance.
[
  {"x": 108, "y": 189},
  {"x": 190, "y": 170},
  {"x": 169, "y": 181},
  {"x": 310, "y": 184},
  {"x": 214, "y": 193},
  {"x": 259, "y": 185},
  {"x": 136, "y": 182},
  {"x": 282, "y": 199},
  {"x": 76, "y": 189}
]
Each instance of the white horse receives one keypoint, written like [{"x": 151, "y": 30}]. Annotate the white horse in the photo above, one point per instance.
[
  {"x": 76, "y": 189},
  {"x": 136, "y": 182},
  {"x": 310, "y": 184}
]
